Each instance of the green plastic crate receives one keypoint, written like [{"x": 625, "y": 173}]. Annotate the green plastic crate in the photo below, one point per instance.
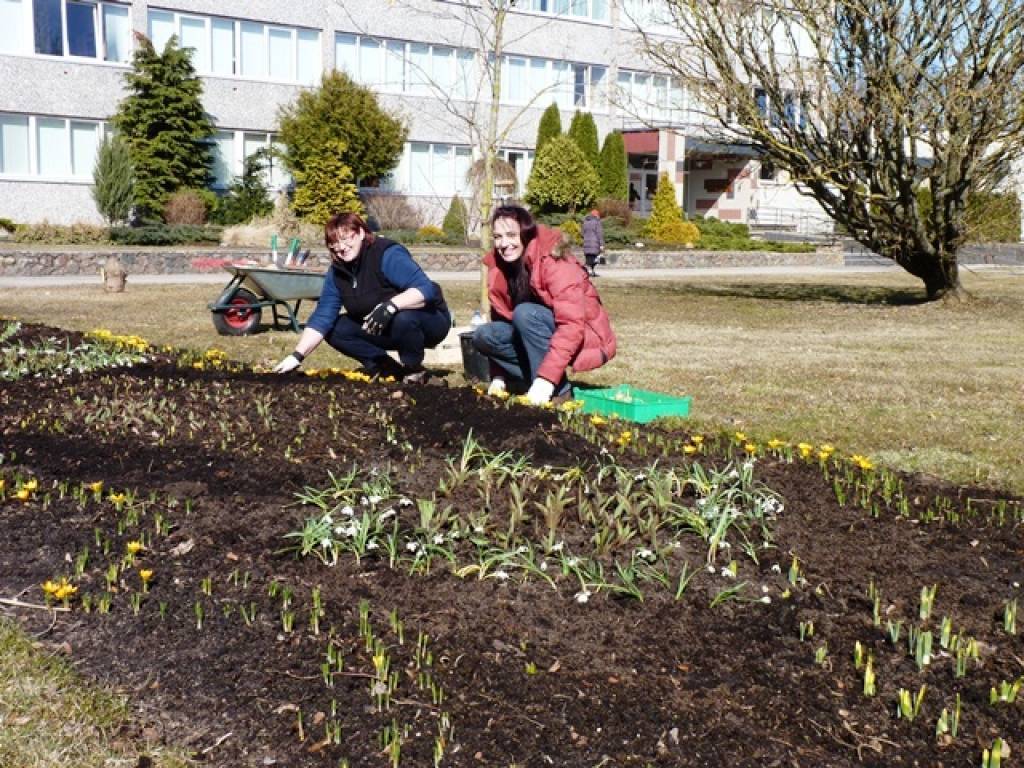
[{"x": 631, "y": 403}]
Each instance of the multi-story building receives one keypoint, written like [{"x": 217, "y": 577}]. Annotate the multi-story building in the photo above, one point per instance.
[{"x": 62, "y": 64}]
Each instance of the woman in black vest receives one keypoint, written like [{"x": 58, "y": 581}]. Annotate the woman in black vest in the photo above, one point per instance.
[{"x": 389, "y": 304}]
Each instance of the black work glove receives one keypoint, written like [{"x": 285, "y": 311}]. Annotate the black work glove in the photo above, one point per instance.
[{"x": 380, "y": 318}]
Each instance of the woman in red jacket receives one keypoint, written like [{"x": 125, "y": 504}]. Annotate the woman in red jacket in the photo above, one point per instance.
[{"x": 545, "y": 313}]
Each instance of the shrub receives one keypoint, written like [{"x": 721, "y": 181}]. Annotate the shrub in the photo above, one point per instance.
[
  {"x": 186, "y": 206},
  {"x": 113, "y": 181},
  {"x": 59, "y": 234},
  {"x": 158, "y": 234},
  {"x": 712, "y": 227},
  {"x": 991, "y": 217},
  {"x": 324, "y": 187},
  {"x": 572, "y": 228},
  {"x": 681, "y": 232},
  {"x": 393, "y": 212},
  {"x": 562, "y": 178},
  {"x": 430, "y": 234},
  {"x": 617, "y": 234},
  {"x": 611, "y": 207},
  {"x": 456, "y": 220},
  {"x": 663, "y": 225},
  {"x": 7, "y": 225}
]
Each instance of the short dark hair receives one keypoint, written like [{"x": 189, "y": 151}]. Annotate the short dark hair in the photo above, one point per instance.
[
  {"x": 346, "y": 222},
  {"x": 527, "y": 226}
]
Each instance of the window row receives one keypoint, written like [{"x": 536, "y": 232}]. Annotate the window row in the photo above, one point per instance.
[
  {"x": 652, "y": 97},
  {"x": 581, "y": 9},
  {"x": 442, "y": 170},
  {"x": 48, "y": 147},
  {"x": 80, "y": 28},
  {"x": 224, "y": 46},
  {"x": 397, "y": 66},
  {"x": 790, "y": 112}
]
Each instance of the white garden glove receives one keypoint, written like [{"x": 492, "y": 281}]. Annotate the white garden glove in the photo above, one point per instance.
[
  {"x": 497, "y": 387},
  {"x": 290, "y": 363},
  {"x": 540, "y": 391}
]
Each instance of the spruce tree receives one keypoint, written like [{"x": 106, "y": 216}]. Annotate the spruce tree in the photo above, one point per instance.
[
  {"x": 164, "y": 125},
  {"x": 614, "y": 173},
  {"x": 247, "y": 197},
  {"x": 583, "y": 130},
  {"x": 341, "y": 110},
  {"x": 113, "y": 181},
  {"x": 550, "y": 126},
  {"x": 561, "y": 179},
  {"x": 324, "y": 186}
]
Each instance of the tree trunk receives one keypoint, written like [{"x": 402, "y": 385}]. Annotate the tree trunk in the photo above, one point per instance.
[{"x": 939, "y": 272}]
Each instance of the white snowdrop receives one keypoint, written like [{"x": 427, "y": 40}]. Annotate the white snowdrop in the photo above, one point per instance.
[{"x": 582, "y": 596}]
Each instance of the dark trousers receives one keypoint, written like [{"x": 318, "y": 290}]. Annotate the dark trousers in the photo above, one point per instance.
[
  {"x": 591, "y": 260},
  {"x": 519, "y": 347},
  {"x": 410, "y": 333}
]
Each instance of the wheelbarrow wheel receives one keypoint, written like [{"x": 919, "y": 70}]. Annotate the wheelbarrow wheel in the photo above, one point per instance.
[{"x": 242, "y": 316}]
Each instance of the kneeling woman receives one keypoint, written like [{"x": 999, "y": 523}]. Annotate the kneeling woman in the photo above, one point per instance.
[
  {"x": 389, "y": 304},
  {"x": 546, "y": 314}
]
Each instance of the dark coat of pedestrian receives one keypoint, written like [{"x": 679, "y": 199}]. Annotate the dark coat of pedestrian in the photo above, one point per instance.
[{"x": 593, "y": 240}]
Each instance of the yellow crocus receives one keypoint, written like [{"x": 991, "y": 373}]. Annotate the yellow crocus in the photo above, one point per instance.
[{"x": 134, "y": 547}]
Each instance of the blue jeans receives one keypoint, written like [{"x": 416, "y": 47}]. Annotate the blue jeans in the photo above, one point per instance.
[
  {"x": 411, "y": 332},
  {"x": 520, "y": 346}
]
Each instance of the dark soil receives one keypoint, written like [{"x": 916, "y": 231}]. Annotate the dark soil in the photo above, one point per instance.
[{"x": 530, "y": 675}]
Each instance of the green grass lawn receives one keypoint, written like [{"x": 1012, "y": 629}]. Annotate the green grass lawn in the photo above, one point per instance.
[{"x": 851, "y": 359}]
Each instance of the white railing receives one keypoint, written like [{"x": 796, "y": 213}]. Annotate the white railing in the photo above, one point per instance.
[{"x": 799, "y": 220}]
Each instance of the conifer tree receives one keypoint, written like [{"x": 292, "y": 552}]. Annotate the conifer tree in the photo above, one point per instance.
[
  {"x": 614, "y": 174},
  {"x": 550, "y": 126},
  {"x": 164, "y": 125},
  {"x": 561, "y": 179},
  {"x": 666, "y": 223},
  {"x": 324, "y": 186},
  {"x": 247, "y": 197},
  {"x": 456, "y": 220},
  {"x": 583, "y": 130},
  {"x": 113, "y": 181},
  {"x": 344, "y": 111}
]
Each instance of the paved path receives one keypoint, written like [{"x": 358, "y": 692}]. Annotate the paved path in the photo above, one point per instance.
[{"x": 608, "y": 273}]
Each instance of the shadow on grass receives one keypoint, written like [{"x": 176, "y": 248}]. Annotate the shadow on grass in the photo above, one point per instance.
[{"x": 838, "y": 294}]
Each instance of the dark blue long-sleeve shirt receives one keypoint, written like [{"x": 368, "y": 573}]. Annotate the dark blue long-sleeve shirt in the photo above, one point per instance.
[{"x": 398, "y": 267}]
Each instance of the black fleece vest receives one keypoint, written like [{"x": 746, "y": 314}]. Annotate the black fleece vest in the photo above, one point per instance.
[{"x": 362, "y": 284}]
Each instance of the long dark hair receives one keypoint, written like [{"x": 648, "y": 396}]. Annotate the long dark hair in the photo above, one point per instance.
[{"x": 517, "y": 277}]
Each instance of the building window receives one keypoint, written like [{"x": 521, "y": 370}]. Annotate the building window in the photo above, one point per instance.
[
  {"x": 581, "y": 9},
  {"x": 14, "y": 150},
  {"x": 48, "y": 147},
  {"x": 654, "y": 97},
  {"x": 396, "y": 66},
  {"x": 222, "y": 46},
  {"x": 233, "y": 148},
  {"x": 438, "y": 170},
  {"x": 81, "y": 28}
]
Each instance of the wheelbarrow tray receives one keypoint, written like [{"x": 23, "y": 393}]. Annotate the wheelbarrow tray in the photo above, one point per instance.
[
  {"x": 282, "y": 284},
  {"x": 238, "y": 309}
]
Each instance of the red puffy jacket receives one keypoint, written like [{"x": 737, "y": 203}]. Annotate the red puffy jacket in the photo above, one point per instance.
[{"x": 583, "y": 335}]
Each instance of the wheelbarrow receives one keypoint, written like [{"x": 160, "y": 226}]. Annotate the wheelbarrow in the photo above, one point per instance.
[{"x": 239, "y": 308}]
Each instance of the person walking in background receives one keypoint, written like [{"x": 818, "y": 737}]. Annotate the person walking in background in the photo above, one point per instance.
[
  {"x": 545, "y": 314},
  {"x": 593, "y": 240},
  {"x": 389, "y": 304}
]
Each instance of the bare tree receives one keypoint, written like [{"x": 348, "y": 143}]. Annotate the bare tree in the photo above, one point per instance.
[
  {"x": 473, "y": 109},
  {"x": 865, "y": 102}
]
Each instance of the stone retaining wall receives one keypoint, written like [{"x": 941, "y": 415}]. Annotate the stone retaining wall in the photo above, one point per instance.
[{"x": 86, "y": 261}]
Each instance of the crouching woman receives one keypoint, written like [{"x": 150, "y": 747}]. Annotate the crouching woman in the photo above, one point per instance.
[
  {"x": 546, "y": 315},
  {"x": 389, "y": 304}
]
